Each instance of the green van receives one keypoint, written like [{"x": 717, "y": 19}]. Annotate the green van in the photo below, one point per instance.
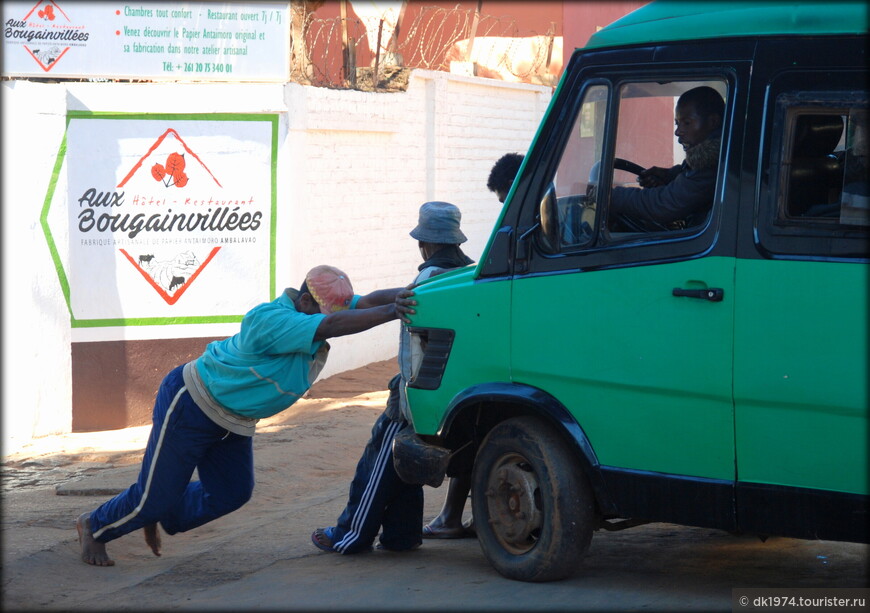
[{"x": 709, "y": 371}]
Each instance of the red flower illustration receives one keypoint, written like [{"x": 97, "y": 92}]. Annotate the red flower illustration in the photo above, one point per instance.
[
  {"x": 172, "y": 173},
  {"x": 47, "y": 13}
]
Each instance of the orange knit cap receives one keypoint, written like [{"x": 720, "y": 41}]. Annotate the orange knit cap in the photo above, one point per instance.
[{"x": 330, "y": 287}]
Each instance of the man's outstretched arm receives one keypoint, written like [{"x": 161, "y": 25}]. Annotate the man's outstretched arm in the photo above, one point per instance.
[
  {"x": 342, "y": 323},
  {"x": 379, "y": 297}
]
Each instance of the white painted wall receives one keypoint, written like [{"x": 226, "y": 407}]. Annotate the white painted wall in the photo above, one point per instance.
[{"x": 353, "y": 169}]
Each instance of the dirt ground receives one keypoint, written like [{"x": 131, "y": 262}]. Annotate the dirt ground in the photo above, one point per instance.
[{"x": 261, "y": 558}]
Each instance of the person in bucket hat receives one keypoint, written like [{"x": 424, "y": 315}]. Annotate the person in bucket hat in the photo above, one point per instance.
[
  {"x": 206, "y": 410},
  {"x": 379, "y": 500},
  {"x": 438, "y": 223}
]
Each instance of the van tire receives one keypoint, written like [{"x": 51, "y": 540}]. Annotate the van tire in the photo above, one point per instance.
[{"x": 533, "y": 506}]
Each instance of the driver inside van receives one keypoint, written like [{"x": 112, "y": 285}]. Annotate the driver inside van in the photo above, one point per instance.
[{"x": 681, "y": 196}]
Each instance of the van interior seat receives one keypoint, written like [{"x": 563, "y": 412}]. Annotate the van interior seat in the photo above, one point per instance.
[{"x": 816, "y": 174}]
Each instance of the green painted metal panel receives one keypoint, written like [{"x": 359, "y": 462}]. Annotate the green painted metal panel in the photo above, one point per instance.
[
  {"x": 800, "y": 374},
  {"x": 671, "y": 20},
  {"x": 647, "y": 375},
  {"x": 478, "y": 313}
]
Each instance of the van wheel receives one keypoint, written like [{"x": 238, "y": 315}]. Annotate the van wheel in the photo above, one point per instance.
[{"x": 533, "y": 507}]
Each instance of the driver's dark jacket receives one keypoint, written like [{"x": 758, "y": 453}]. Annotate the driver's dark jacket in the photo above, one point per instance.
[{"x": 685, "y": 199}]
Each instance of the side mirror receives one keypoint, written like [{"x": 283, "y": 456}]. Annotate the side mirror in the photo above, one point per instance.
[
  {"x": 498, "y": 260},
  {"x": 548, "y": 213}
]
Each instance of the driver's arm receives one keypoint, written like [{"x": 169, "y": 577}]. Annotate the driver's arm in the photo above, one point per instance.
[{"x": 655, "y": 176}]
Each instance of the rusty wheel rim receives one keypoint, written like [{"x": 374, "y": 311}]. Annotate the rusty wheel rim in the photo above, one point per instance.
[{"x": 514, "y": 501}]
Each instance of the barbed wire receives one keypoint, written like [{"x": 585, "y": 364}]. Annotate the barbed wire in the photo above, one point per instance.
[
  {"x": 337, "y": 52},
  {"x": 434, "y": 39},
  {"x": 435, "y": 32}
]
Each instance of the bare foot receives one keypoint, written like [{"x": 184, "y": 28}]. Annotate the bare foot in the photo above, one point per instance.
[
  {"x": 152, "y": 538},
  {"x": 93, "y": 552}
]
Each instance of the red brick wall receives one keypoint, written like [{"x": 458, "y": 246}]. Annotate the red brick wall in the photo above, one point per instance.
[
  {"x": 115, "y": 383},
  {"x": 580, "y": 19}
]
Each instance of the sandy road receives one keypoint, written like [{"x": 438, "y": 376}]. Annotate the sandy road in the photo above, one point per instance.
[{"x": 260, "y": 557}]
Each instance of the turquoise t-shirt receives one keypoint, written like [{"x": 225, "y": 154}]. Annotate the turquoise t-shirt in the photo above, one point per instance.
[{"x": 264, "y": 368}]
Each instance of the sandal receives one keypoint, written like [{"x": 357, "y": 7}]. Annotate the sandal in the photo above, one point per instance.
[
  {"x": 445, "y": 533},
  {"x": 322, "y": 540}
]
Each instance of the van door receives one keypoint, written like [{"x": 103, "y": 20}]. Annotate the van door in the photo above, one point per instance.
[
  {"x": 801, "y": 352},
  {"x": 632, "y": 330}
]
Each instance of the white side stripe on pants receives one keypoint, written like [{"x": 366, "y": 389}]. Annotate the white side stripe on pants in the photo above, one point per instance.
[
  {"x": 154, "y": 457},
  {"x": 362, "y": 512}
]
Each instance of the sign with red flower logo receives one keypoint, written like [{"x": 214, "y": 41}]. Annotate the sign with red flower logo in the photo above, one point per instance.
[
  {"x": 44, "y": 31},
  {"x": 164, "y": 220},
  {"x": 193, "y": 41}
]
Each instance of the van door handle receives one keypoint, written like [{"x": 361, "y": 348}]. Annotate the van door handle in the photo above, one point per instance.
[{"x": 713, "y": 294}]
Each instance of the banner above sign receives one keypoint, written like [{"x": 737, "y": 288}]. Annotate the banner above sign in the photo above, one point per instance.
[{"x": 179, "y": 41}]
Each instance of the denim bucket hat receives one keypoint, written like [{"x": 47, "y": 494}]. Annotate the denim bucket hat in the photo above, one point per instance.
[{"x": 439, "y": 223}]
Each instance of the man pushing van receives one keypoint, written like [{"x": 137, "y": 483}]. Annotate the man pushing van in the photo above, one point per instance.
[{"x": 206, "y": 410}]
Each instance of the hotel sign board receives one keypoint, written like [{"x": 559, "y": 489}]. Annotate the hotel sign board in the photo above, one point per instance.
[
  {"x": 156, "y": 219},
  {"x": 166, "y": 41}
]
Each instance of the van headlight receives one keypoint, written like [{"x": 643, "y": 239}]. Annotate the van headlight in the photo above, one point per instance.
[{"x": 430, "y": 350}]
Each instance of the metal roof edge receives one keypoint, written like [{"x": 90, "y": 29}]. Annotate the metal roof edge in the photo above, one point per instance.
[{"x": 671, "y": 20}]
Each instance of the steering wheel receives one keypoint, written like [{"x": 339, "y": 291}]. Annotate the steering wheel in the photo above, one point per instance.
[
  {"x": 621, "y": 164},
  {"x": 623, "y": 222}
]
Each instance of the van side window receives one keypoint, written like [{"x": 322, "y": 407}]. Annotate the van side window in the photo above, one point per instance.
[
  {"x": 662, "y": 178},
  {"x": 813, "y": 199},
  {"x": 673, "y": 132},
  {"x": 824, "y": 174},
  {"x": 855, "y": 201}
]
